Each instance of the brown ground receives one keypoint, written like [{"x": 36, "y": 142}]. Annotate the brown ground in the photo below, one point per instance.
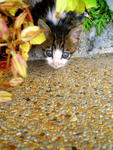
[{"x": 65, "y": 109}]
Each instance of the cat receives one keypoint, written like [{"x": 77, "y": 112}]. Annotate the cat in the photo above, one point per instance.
[{"x": 62, "y": 32}]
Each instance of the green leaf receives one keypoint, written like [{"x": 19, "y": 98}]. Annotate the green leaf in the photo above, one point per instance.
[
  {"x": 99, "y": 28},
  {"x": 100, "y": 17}
]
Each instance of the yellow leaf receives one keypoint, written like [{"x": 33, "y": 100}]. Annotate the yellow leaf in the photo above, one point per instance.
[
  {"x": 29, "y": 33},
  {"x": 39, "y": 39},
  {"x": 25, "y": 55},
  {"x": 74, "y": 5},
  {"x": 5, "y": 96},
  {"x": 80, "y": 9},
  {"x": 19, "y": 64},
  {"x": 25, "y": 47},
  {"x": 90, "y": 3}
]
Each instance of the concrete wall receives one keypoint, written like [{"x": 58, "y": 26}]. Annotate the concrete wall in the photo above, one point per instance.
[
  {"x": 91, "y": 44},
  {"x": 110, "y": 4}
]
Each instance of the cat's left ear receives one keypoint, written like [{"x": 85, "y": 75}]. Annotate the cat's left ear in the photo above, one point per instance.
[
  {"x": 72, "y": 38},
  {"x": 75, "y": 33}
]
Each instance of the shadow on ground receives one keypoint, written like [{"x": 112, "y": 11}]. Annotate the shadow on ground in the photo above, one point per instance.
[{"x": 65, "y": 109}]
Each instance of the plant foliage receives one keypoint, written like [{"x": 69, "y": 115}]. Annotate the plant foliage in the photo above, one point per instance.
[
  {"x": 17, "y": 34},
  {"x": 98, "y": 17}
]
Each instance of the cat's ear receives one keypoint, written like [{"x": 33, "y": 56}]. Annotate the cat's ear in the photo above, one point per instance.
[
  {"x": 75, "y": 33},
  {"x": 72, "y": 38},
  {"x": 43, "y": 25},
  {"x": 48, "y": 34}
]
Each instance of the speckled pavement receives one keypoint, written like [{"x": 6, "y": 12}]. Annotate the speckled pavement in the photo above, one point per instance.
[{"x": 65, "y": 109}]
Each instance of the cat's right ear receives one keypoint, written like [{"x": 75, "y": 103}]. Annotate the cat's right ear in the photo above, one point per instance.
[
  {"x": 48, "y": 34},
  {"x": 44, "y": 26}
]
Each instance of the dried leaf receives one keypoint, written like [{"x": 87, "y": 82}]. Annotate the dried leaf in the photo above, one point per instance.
[
  {"x": 20, "y": 20},
  {"x": 16, "y": 81},
  {"x": 12, "y": 4},
  {"x": 5, "y": 96},
  {"x": 5, "y": 84}
]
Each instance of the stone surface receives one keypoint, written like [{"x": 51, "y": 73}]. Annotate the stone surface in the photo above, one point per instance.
[
  {"x": 66, "y": 109},
  {"x": 91, "y": 44},
  {"x": 110, "y": 4}
]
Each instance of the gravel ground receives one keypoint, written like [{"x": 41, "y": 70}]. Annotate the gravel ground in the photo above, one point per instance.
[{"x": 65, "y": 109}]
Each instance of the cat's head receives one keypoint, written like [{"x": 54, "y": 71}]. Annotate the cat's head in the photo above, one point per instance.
[{"x": 58, "y": 49}]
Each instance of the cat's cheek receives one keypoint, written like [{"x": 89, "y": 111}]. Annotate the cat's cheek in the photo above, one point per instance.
[
  {"x": 49, "y": 60},
  {"x": 64, "y": 62}
]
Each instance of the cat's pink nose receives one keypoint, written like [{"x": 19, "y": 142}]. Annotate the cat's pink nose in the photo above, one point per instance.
[{"x": 57, "y": 64}]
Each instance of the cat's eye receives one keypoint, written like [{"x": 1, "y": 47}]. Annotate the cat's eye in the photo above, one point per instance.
[
  {"x": 65, "y": 55},
  {"x": 48, "y": 53}
]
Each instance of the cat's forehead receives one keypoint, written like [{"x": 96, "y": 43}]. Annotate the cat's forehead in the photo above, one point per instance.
[{"x": 61, "y": 43}]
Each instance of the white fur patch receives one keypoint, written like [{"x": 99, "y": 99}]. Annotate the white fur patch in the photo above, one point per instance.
[
  {"x": 57, "y": 61},
  {"x": 51, "y": 15}
]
